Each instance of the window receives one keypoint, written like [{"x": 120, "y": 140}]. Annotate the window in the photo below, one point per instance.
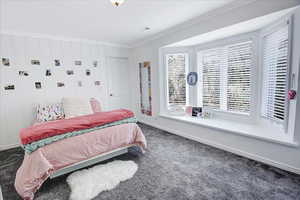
[
  {"x": 226, "y": 72},
  {"x": 243, "y": 78},
  {"x": 176, "y": 70},
  {"x": 275, "y": 66}
]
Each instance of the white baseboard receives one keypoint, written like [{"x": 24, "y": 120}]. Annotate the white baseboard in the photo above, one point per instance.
[
  {"x": 6, "y": 147},
  {"x": 229, "y": 149}
]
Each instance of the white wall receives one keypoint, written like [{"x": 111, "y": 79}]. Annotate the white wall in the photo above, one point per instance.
[
  {"x": 17, "y": 106},
  {"x": 274, "y": 154}
]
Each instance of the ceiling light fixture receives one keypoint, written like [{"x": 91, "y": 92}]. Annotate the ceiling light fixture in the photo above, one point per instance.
[{"x": 117, "y": 3}]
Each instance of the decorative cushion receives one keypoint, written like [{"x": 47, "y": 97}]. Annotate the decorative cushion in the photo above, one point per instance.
[
  {"x": 74, "y": 107},
  {"x": 96, "y": 106},
  {"x": 49, "y": 112}
]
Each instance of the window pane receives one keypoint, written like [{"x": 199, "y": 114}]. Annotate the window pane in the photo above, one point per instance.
[
  {"x": 239, "y": 70},
  {"x": 226, "y": 72},
  {"x": 176, "y": 64},
  {"x": 211, "y": 63},
  {"x": 275, "y": 63}
]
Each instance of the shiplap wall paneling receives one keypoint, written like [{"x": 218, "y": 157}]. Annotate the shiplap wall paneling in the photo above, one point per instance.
[{"x": 18, "y": 106}]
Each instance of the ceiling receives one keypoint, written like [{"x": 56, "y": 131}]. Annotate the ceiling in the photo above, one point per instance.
[
  {"x": 99, "y": 20},
  {"x": 236, "y": 29}
]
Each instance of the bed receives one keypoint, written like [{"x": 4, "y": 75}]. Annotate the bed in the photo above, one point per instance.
[{"x": 88, "y": 146}]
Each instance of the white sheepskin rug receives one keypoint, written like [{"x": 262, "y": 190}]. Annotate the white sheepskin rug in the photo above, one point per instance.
[{"x": 88, "y": 183}]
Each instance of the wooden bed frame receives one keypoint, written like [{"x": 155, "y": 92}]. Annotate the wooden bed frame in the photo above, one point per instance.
[{"x": 90, "y": 161}]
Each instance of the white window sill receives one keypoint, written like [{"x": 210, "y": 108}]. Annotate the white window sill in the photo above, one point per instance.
[{"x": 250, "y": 130}]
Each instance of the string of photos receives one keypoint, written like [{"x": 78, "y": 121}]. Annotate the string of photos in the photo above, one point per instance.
[{"x": 48, "y": 72}]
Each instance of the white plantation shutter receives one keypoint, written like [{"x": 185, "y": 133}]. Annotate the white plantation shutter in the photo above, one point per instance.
[
  {"x": 239, "y": 70},
  {"x": 176, "y": 66},
  {"x": 275, "y": 63},
  {"x": 226, "y": 74},
  {"x": 211, "y": 78}
]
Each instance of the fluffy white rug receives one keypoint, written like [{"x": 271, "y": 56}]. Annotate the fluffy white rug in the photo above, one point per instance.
[{"x": 88, "y": 183}]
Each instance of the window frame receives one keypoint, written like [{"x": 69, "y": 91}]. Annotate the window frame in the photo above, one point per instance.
[
  {"x": 169, "y": 51},
  {"x": 251, "y": 36},
  {"x": 287, "y": 20}
]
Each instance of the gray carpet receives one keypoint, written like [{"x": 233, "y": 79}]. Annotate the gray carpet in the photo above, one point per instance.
[{"x": 175, "y": 168}]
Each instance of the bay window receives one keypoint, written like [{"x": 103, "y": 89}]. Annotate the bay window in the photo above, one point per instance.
[{"x": 241, "y": 79}]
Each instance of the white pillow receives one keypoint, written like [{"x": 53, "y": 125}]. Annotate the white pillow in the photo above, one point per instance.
[{"x": 74, "y": 107}]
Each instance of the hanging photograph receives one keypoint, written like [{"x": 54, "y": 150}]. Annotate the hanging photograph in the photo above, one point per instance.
[
  {"x": 88, "y": 72},
  {"x": 79, "y": 83},
  {"x": 95, "y": 63},
  {"x": 97, "y": 83},
  {"x": 38, "y": 85},
  {"x": 35, "y": 62},
  {"x": 145, "y": 88},
  {"x": 9, "y": 87},
  {"x": 57, "y": 62},
  {"x": 60, "y": 84},
  {"x": 78, "y": 62},
  {"x": 70, "y": 72},
  {"x": 5, "y": 61},
  {"x": 48, "y": 72},
  {"x": 23, "y": 73}
]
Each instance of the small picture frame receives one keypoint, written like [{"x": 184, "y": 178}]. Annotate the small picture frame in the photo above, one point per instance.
[
  {"x": 38, "y": 85},
  {"x": 35, "y": 62},
  {"x": 197, "y": 111},
  {"x": 70, "y": 72},
  {"x": 23, "y": 73},
  {"x": 9, "y": 87},
  {"x": 5, "y": 62},
  {"x": 78, "y": 62},
  {"x": 60, "y": 84},
  {"x": 88, "y": 72},
  {"x": 57, "y": 63},
  {"x": 97, "y": 83},
  {"x": 48, "y": 72}
]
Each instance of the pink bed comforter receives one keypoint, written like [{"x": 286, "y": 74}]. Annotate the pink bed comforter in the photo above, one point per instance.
[
  {"x": 58, "y": 127},
  {"x": 39, "y": 165}
]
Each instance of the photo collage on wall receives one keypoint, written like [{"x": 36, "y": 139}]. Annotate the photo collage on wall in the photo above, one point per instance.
[{"x": 6, "y": 62}]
